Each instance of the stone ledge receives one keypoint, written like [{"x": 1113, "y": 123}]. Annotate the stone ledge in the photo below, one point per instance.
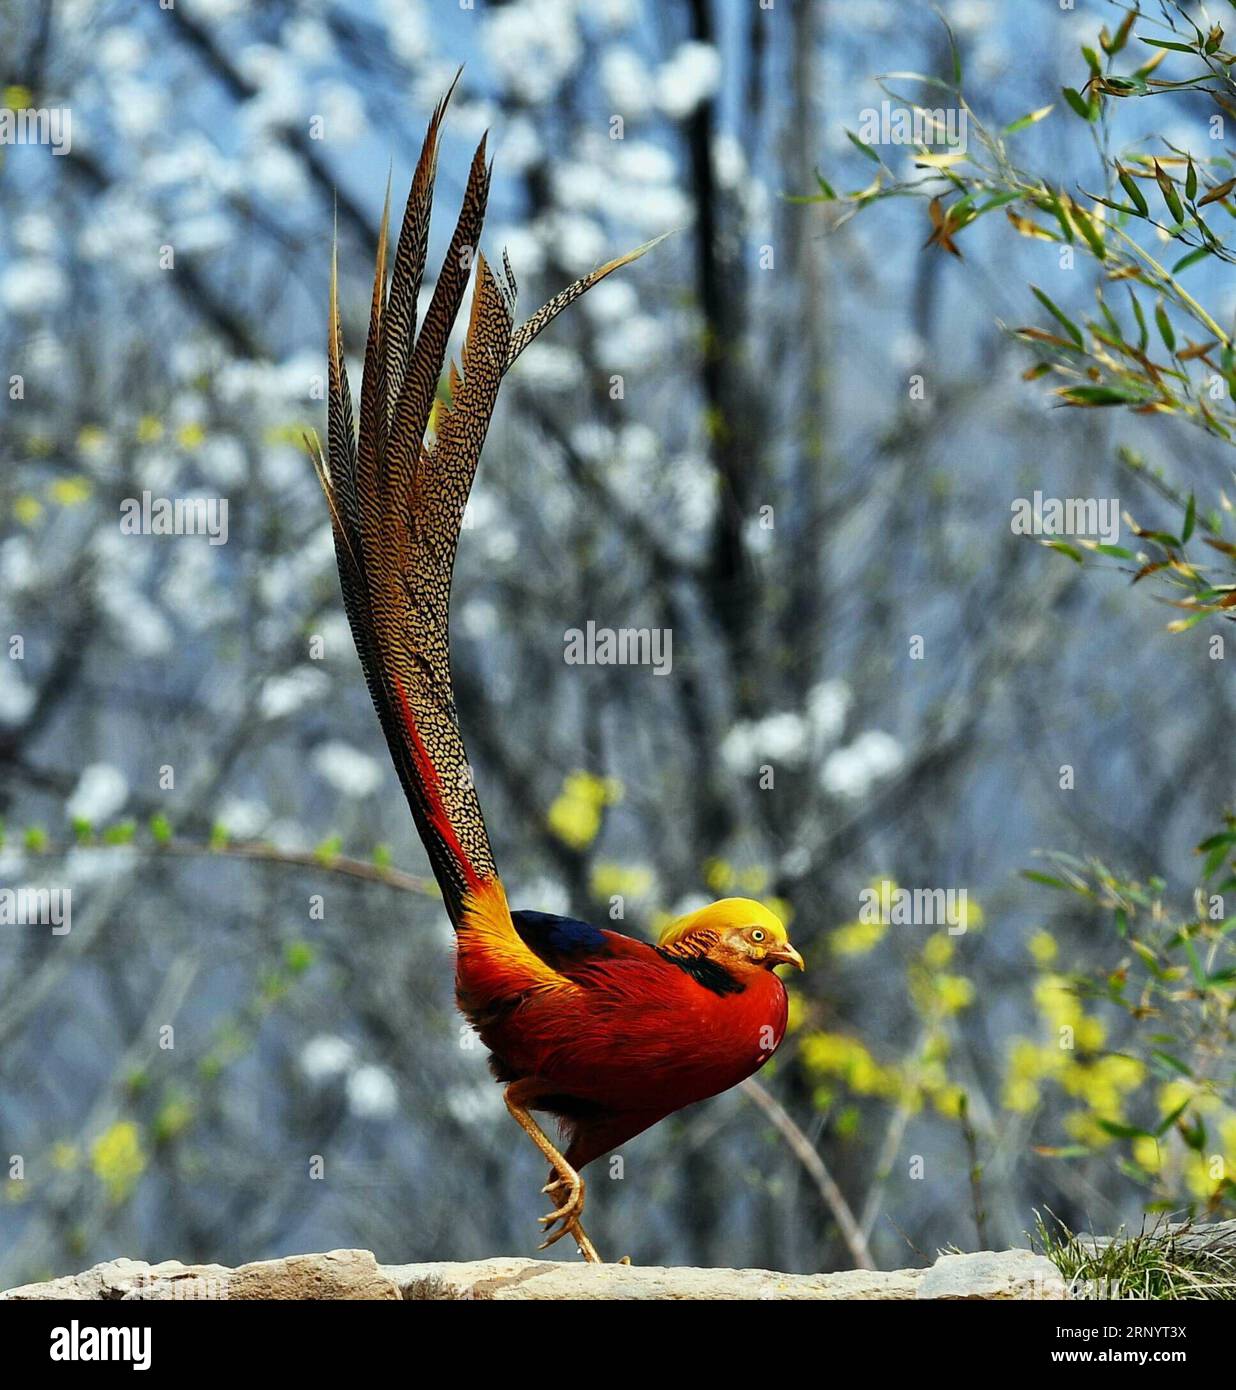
[{"x": 356, "y": 1274}]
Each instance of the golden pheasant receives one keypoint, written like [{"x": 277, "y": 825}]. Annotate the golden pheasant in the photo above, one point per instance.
[{"x": 604, "y": 1032}]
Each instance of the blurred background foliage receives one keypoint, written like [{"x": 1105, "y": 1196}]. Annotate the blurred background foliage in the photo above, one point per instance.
[{"x": 246, "y": 1045}]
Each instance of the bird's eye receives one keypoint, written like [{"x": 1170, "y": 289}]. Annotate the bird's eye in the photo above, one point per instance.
[{"x": 757, "y": 935}]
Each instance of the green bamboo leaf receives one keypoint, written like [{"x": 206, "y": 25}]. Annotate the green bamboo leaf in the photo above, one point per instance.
[
  {"x": 862, "y": 146},
  {"x": 1061, "y": 318},
  {"x": 1090, "y": 232},
  {"x": 1168, "y": 189},
  {"x": 1225, "y": 837},
  {"x": 1031, "y": 118},
  {"x": 1199, "y": 253},
  {"x": 1099, "y": 395},
  {"x": 1169, "y": 1120},
  {"x": 1141, "y": 321},
  {"x": 1079, "y": 104},
  {"x": 1195, "y": 964},
  {"x": 1119, "y": 1131},
  {"x": 1164, "y": 325},
  {"x": 999, "y": 201},
  {"x": 1190, "y": 518},
  {"x": 1066, "y": 549},
  {"x": 1034, "y": 876},
  {"x": 1176, "y": 1065},
  {"x": 1129, "y": 184}
]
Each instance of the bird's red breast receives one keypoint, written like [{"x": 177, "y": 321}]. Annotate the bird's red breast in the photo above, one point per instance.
[{"x": 612, "y": 1020}]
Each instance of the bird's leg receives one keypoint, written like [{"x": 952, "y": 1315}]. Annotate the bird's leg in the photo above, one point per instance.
[{"x": 567, "y": 1184}]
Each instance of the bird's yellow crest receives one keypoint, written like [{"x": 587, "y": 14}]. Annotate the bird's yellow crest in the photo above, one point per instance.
[{"x": 724, "y": 915}]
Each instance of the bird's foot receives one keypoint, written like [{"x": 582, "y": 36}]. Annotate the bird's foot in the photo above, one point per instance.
[
  {"x": 567, "y": 1191},
  {"x": 571, "y": 1187}
]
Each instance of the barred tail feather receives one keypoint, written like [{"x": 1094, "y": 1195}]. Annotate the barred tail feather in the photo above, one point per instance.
[{"x": 397, "y": 499}]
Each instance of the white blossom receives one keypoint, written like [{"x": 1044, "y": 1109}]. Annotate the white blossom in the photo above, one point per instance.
[
  {"x": 242, "y": 817},
  {"x": 33, "y": 286},
  {"x": 16, "y": 697},
  {"x": 348, "y": 770},
  {"x": 325, "y": 1057},
  {"x": 627, "y": 82},
  {"x": 100, "y": 792},
  {"x": 690, "y": 77},
  {"x": 282, "y": 695},
  {"x": 371, "y": 1092},
  {"x": 852, "y": 771}
]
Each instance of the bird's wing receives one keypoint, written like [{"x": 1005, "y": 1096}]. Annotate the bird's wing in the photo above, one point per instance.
[{"x": 397, "y": 500}]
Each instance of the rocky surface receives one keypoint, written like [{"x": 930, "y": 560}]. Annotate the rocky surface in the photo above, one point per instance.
[{"x": 350, "y": 1274}]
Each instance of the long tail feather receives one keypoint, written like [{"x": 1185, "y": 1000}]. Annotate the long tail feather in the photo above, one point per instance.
[{"x": 397, "y": 503}]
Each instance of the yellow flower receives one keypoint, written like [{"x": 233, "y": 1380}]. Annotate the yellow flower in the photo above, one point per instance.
[
  {"x": 1147, "y": 1154},
  {"x": 1204, "y": 1174},
  {"x": 1173, "y": 1094},
  {"x": 1125, "y": 1073},
  {"x": 27, "y": 509},
  {"x": 797, "y": 1011},
  {"x": 293, "y": 432},
  {"x": 149, "y": 429},
  {"x": 1090, "y": 1033},
  {"x": 575, "y": 817},
  {"x": 17, "y": 98},
  {"x": 1025, "y": 1060},
  {"x": 64, "y": 1156},
  {"x": 618, "y": 880},
  {"x": 1056, "y": 1001},
  {"x": 1020, "y": 1095},
  {"x": 190, "y": 435},
  {"x": 938, "y": 951},
  {"x": 117, "y": 1159},
  {"x": 954, "y": 993},
  {"x": 1042, "y": 946},
  {"x": 837, "y": 1055},
  {"x": 1227, "y": 1132},
  {"x": 719, "y": 875},
  {"x": 70, "y": 492},
  {"x": 753, "y": 880},
  {"x": 948, "y": 1099},
  {"x": 857, "y": 938},
  {"x": 90, "y": 439},
  {"x": 1084, "y": 1126},
  {"x": 970, "y": 915}
]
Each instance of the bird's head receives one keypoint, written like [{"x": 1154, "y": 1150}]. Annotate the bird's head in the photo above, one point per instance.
[{"x": 734, "y": 927}]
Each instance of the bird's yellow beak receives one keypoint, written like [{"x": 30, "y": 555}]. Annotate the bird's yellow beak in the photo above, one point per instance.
[{"x": 787, "y": 955}]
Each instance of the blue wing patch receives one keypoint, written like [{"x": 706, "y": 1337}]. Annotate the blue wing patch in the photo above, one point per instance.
[{"x": 551, "y": 936}]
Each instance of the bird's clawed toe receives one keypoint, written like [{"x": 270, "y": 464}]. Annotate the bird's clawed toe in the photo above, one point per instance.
[
  {"x": 567, "y": 1192},
  {"x": 572, "y": 1203}
]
